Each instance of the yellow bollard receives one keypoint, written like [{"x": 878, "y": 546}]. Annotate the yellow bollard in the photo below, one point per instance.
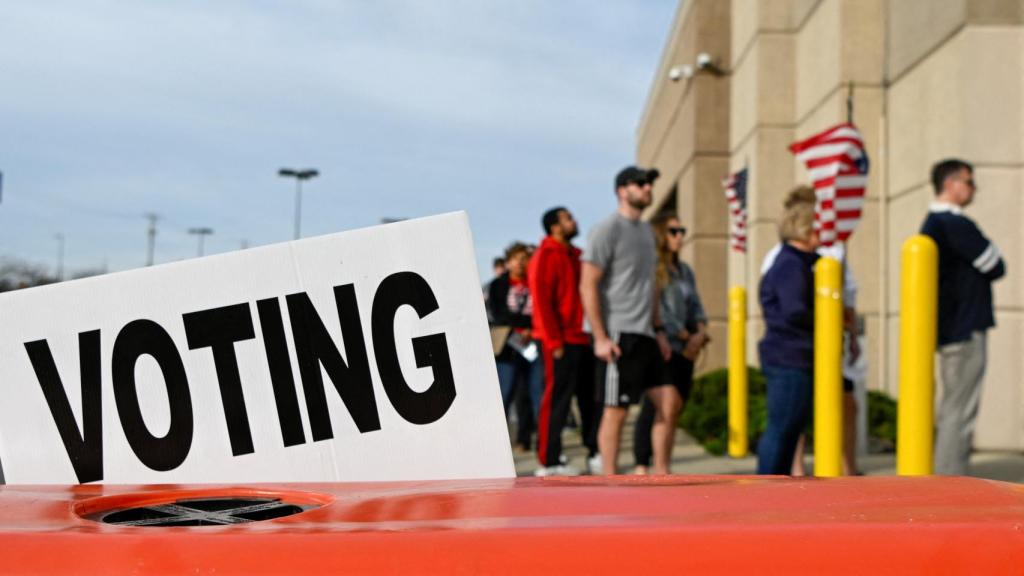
[
  {"x": 738, "y": 372},
  {"x": 828, "y": 358},
  {"x": 919, "y": 306}
]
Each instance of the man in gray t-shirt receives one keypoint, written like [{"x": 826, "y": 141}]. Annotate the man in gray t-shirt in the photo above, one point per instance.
[
  {"x": 620, "y": 298},
  {"x": 624, "y": 249}
]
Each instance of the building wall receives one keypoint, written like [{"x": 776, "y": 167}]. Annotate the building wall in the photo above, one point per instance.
[
  {"x": 957, "y": 89},
  {"x": 685, "y": 134},
  {"x": 930, "y": 79},
  {"x": 763, "y": 121}
]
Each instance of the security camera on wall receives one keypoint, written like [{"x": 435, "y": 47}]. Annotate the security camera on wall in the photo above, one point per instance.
[
  {"x": 677, "y": 73},
  {"x": 705, "y": 63}
]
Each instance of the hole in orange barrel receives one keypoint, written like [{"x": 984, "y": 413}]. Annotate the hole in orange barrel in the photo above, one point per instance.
[{"x": 214, "y": 507}]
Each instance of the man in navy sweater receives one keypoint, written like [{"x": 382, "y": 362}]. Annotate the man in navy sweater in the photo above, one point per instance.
[{"x": 968, "y": 264}]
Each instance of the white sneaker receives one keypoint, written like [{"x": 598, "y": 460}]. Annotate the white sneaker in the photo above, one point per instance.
[
  {"x": 560, "y": 470},
  {"x": 594, "y": 465}
]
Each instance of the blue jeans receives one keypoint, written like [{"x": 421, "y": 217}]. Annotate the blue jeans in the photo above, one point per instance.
[
  {"x": 531, "y": 373},
  {"x": 790, "y": 395}
]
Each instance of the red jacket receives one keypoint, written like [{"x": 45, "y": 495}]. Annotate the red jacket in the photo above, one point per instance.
[{"x": 554, "y": 277}]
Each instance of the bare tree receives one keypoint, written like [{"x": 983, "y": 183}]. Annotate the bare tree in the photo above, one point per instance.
[{"x": 16, "y": 274}]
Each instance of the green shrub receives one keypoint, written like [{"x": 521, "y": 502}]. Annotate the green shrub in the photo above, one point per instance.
[
  {"x": 882, "y": 419},
  {"x": 706, "y": 414}
]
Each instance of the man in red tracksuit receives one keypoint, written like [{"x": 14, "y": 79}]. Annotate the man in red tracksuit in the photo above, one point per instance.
[{"x": 554, "y": 280}]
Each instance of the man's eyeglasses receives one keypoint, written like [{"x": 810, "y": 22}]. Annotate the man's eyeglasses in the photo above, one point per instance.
[{"x": 676, "y": 230}]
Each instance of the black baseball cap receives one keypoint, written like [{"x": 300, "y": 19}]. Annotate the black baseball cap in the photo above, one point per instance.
[{"x": 636, "y": 175}]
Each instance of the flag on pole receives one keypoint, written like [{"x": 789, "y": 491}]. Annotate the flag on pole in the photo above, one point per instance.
[
  {"x": 838, "y": 165},
  {"x": 736, "y": 194}
]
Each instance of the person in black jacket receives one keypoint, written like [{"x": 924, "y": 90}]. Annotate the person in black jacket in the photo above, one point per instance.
[
  {"x": 520, "y": 368},
  {"x": 968, "y": 264}
]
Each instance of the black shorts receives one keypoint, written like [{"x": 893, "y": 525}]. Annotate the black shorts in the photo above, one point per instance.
[
  {"x": 640, "y": 368},
  {"x": 679, "y": 371}
]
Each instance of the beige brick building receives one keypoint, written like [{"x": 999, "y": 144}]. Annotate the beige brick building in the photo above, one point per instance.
[{"x": 930, "y": 78}]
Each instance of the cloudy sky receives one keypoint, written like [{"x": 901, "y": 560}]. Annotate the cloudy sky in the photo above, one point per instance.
[{"x": 503, "y": 108}]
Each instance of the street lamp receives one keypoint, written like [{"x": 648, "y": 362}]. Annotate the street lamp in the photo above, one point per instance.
[
  {"x": 60, "y": 256},
  {"x": 299, "y": 176},
  {"x": 202, "y": 233},
  {"x": 151, "y": 236}
]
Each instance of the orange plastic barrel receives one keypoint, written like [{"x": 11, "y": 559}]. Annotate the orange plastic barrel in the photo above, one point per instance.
[{"x": 586, "y": 525}]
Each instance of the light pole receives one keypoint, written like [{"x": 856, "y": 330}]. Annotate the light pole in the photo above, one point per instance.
[
  {"x": 299, "y": 176},
  {"x": 202, "y": 233},
  {"x": 60, "y": 256},
  {"x": 151, "y": 236}
]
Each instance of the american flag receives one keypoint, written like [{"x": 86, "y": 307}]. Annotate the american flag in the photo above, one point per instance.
[
  {"x": 838, "y": 166},
  {"x": 736, "y": 193}
]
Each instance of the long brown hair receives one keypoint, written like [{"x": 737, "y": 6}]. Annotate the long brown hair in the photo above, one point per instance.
[{"x": 667, "y": 259}]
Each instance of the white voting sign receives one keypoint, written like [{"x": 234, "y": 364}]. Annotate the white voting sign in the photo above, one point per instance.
[{"x": 363, "y": 355}]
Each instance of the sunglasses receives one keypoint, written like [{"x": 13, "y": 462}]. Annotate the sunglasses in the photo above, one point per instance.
[{"x": 676, "y": 230}]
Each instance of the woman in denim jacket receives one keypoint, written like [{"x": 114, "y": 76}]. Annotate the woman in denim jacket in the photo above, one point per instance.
[{"x": 685, "y": 324}]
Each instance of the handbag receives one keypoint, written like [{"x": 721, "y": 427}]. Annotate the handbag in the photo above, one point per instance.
[{"x": 499, "y": 335}]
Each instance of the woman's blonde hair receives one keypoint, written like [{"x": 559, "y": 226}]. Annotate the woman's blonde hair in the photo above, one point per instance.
[
  {"x": 797, "y": 222},
  {"x": 800, "y": 194},
  {"x": 666, "y": 257}
]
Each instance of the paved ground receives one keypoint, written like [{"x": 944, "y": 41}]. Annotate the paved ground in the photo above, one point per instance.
[{"x": 689, "y": 458}]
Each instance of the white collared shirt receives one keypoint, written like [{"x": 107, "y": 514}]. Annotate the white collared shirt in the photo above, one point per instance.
[{"x": 945, "y": 207}]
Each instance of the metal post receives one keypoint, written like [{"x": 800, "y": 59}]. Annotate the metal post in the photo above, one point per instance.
[
  {"x": 918, "y": 329},
  {"x": 828, "y": 357},
  {"x": 202, "y": 233},
  {"x": 151, "y": 236},
  {"x": 849, "y": 103},
  {"x": 60, "y": 256},
  {"x": 738, "y": 386},
  {"x": 299, "y": 176},
  {"x": 298, "y": 207}
]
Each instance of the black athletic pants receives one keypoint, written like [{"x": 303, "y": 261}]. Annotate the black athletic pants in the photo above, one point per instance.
[{"x": 564, "y": 377}]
